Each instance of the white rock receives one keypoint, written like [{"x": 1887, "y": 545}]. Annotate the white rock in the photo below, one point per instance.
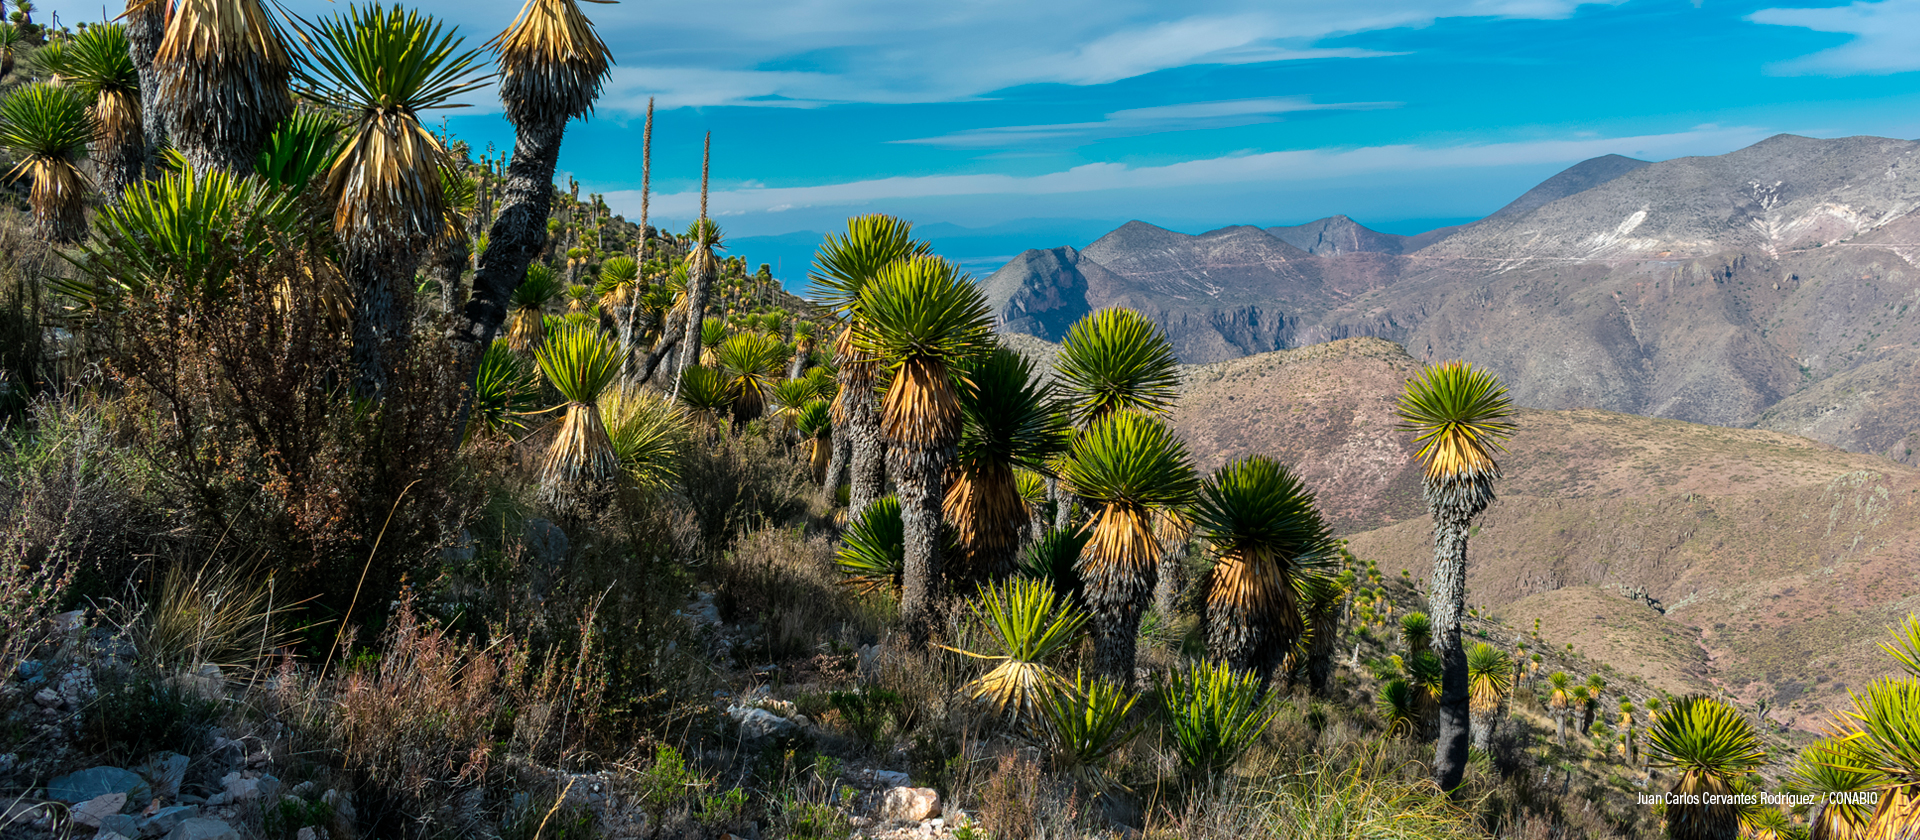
[
  {"x": 92, "y": 811},
  {"x": 910, "y": 804},
  {"x": 757, "y": 723}
]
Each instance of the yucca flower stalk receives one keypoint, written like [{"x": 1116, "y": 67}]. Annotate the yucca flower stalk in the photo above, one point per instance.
[
  {"x": 224, "y": 69},
  {"x": 750, "y": 362},
  {"x": 1489, "y": 680},
  {"x": 1009, "y": 424},
  {"x": 1214, "y": 714},
  {"x": 46, "y": 128},
  {"x": 925, "y": 323},
  {"x": 1459, "y": 416},
  {"x": 1709, "y": 744},
  {"x": 1265, "y": 532},
  {"x": 873, "y": 551},
  {"x": 1083, "y": 722},
  {"x": 384, "y": 66},
  {"x": 581, "y": 362},
  {"x": 702, "y": 266},
  {"x": 843, "y": 266},
  {"x": 1130, "y": 468},
  {"x": 99, "y": 64},
  {"x": 1829, "y": 769},
  {"x": 1031, "y": 626}
]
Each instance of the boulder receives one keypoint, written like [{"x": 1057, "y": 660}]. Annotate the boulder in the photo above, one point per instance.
[
  {"x": 199, "y": 828},
  {"x": 125, "y": 825},
  {"x": 165, "y": 820},
  {"x": 546, "y": 543},
  {"x": 92, "y": 811},
  {"x": 910, "y": 804},
  {"x": 243, "y": 788},
  {"x": 75, "y": 788},
  {"x": 756, "y": 723}
]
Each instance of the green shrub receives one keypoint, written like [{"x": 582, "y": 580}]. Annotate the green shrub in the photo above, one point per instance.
[{"x": 1214, "y": 715}]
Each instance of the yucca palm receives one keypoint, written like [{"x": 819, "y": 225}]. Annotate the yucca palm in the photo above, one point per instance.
[
  {"x": 1829, "y": 769},
  {"x": 1422, "y": 669},
  {"x": 1322, "y": 605},
  {"x": 46, "y": 128},
  {"x": 1031, "y": 626},
  {"x": 1710, "y": 744},
  {"x": 301, "y": 147},
  {"x": 1055, "y": 558},
  {"x": 10, "y": 43},
  {"x": 526, "y": 325},
  {"x": 1214, "y": 713},
  {"x": 1595, "y": 685},
  {"x": 1130, "y": 468},
  {"x": 814, "y": 422},
  {"x": 1416, "y": 632},
  {"x": 786, "y": 398},
  {"x": 925, "y": 324},
  {"x": 1884, "y": 726},
  {"x": 383, "y": 67},
  {"x": 1458, "y": 415},
  {"x": 873, "y": 551},
  {"x": 702, "y": 267},
  {"x": 99, "y": 64},
  {"x": 706, "y": 394},
  {"x": 1009, "y": 424},
  {"x": 1398, "y": 708},
  {"x": 1084, "y": 723},
  {"x": 647, "y": 433},
  {"x": 619, "y": 281},
  {"x": 223, "y": 68},
  {"x": 751, "y": 363},
  {"x": 843, "y": 266},
  {"x": 504, "y": 392},
  {"x": 1116, "y": 359},
  {"x": 1559, "y": 703},
  {"x": 712, "y": 332},
  {"x": 804, "y": 336},
  {"x": 1264, "y": 533},
  {"x": 581, "y": 362},
  {"x": 1489, "y": 680}
]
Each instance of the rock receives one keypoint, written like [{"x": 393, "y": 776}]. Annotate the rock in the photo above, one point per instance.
[
  {"x": 110, "y": 835},
  {"x": 309, "y": 833},
  {"x": 94, "y": 782},
  {"x": 203, "y": 829},
  {"x": 462, "y": 550},
  {"x": 910, "y": 804},
  {"x": 342, "y": 804},
  {"x": 8, "y": 761},
  {"x": 77, "y": 688},
  {"x": 703, "y": 612},
  {"x": 47, "y": 698},
  {"x": 546, "y": 543},
  {"x": 305, "y": 790},
  {"x": 226, "y": 756},
  {"x": 243, "y": 788},
  {"x": 219, "y": 799},
  {"x": 125, "y": 825},
  {"x": 69, "y": 621},
  {"x": 92, "y": 811},
  {"x": 165, "y": 771},
  {"x": 31, "y": 670},
  {"x": 756, "y": 723},
  {"x": 165, "y": 820},
  {"x": 208, "y": 682}
]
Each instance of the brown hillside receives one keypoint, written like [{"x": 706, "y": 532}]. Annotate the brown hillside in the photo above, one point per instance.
[{"x": 1778, "y": 560}]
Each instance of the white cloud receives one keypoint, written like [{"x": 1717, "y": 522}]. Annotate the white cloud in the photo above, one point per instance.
[
  {"x": 1886, "y": 37},
  {"x": 1133, "y": 122},
  {"x": 1290, "y": 167}
]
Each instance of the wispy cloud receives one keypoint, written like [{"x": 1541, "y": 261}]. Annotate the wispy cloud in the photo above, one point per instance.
[
  {"x": 1886, "y": 37},
  {"x": 1265, "y": 168},
  {"x": 1133, "y": 122}
]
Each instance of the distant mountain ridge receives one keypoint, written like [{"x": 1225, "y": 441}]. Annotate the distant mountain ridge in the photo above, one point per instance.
[{"x": 1726, "y": 289}]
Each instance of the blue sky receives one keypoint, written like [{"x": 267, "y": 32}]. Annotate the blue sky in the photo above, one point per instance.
[{"x": 1063, "y": 118}]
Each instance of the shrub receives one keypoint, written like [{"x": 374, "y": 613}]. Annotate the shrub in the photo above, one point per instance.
[{"x": 1214, "y": 715}]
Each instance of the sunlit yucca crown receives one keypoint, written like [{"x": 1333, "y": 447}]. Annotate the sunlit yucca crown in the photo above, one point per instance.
[
  {"x": 1459, "y": 416},
  {"x": 925, "y": 322},
  {"x": 224, "y": 68},
  {"x": 1116, "y": 360},
  {"x": 552, "y": 63},
  {"x": 580, "y": 360}
]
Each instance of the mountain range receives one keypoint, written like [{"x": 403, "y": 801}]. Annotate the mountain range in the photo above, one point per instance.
[{"x": 1769, "y": 288}]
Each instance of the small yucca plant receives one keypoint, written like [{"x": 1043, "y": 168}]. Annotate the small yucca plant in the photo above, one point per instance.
[
  {"x": 579, "y": 298},
  {"x": 814, "y": 422},
  {"x": 787, "y": 397},
  {"x": 705, "y": 393},
  {"x": 1489, "y": 679},
  {"x": 1031, "y": 625},
  {"x": 1836, "y": 766},
  {"x": 1214, "y": 714},
  {"x": 526, "y": 323},
  {"x": 1884, "y": 725},
  {"x": 1055, "y": 558},
  {"x": 581, "y": 362},
  {"x": 1710, "y": 744},
  {"x": 647, "y": 433},
  {"x": 504, "y": 391},
  {"x": 1083, "y": 723},
  {"x": 619, "y": 277},
  {"x": 1416, "y": 632},
  {"x": 873, "y": 551},
  {"x": 751, "y": 363},
  {"x": 1398, "y": 708},
  {"x": 713, "y": 331},
  {"x": 46, "y": 128}
]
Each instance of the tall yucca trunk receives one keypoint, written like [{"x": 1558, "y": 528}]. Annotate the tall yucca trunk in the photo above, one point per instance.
[
  {"x": 836, "y": 465},
  {"x": 1253, "y": 618},
  {"x": 1118, "y": 567},
  {"x": 449, "y": 262},
  {"x": 1715, "y": 821},
  {"x": 858, "y": 413},
  {"x": 146, "y": 24},
  {"x": 919, "y": 474},
  {"x": 700, "y": 275},
  {"x": 1326, "y": 640},
  {"x": 382, "y": 316},
  {"x": 1166, "y": 590},
  {"x": 1453, "y": 503},
  {"x": 119, "y": 147},
  {"x": 1486, "y": 715}
]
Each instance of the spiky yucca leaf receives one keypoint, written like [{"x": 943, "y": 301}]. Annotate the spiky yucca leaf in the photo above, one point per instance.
[
  {"x": 552, "y": 63},
  {"x": 1398, "y": 707},
  {"x": 1264, "y": 531},
  {"x": 301, "y": 147},
  {"x": 1008, "y": 425},
  {"x": 1113, "y": 360},
  {"x": 504, "y": 391},
  {"x": 580, "y": 360},
  {"x": 1083, "y": 723},
  {"x": 705, "y": 392},
  {"x": 619, "y": 277},
  {"x": 1416, "y": 631},
  {"x": 579, "y": 297},
  {"x": 787, "y": 397},
  {"x": 814, "y": 421},
  {"x": 1055, "y": 558},
  {"x": 10, "y": 43},
  {"x": 224, "y": 68},
  {"x": 526, "y": 324},
  {"x": 46, "y": 128},
  {"x": 1905, "y": 646},
  {"x": 647, "y": 433},
  {"x": 1836, "y": 766},
  {"x": 1489, "y": 677},
  {"x": 1031, "y": 487},
  {"x": 924, "y": 321},
  {"x": 1459, "y": 417},
  {"x": 1710, "y": 744},
  {"x": 1214, "y": 714},
  {"x": 712, "y": 332},
  {"x": 822, "y": 380},
  {"x": 873, "y": 551},
  {"x": 1030, "y": 625},
  {"x": 751, "y": 363},
  {"x": 846, "y": 262},
  {"x": 385, "y": 65}
]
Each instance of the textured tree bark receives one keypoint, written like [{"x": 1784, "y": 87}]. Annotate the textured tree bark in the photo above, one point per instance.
[
  {"x": 699, "y": 287},
  {"x": 517, "y": 235},
  {"x": 1116, "y": 627},
  {"x": 663, "y": 348},
  {"x": 837, "y": 467},
  {"x": 448, "y": 264},
  {"x": 382, "y": 317},
  {"x": 1166, "y": 590},
  {"x": 1453, "y": 504},
  {"x": 146, "y": 25},
  {"x": 1063, "y": 507},
  {"x": 1326, "y": 641},
  {"x": 1483, "y": 724},
  {"x": 867, "y": 452},
  {"x": 919, "y": 473}
]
